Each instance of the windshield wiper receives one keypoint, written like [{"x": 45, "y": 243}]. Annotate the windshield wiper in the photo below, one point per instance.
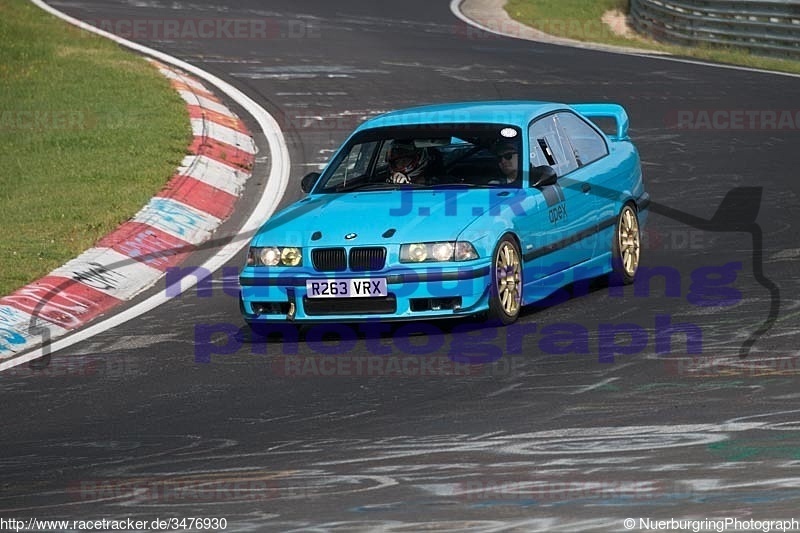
[
  {"x": 453, "y": 185},
  {"x": 354, "y": 186}
]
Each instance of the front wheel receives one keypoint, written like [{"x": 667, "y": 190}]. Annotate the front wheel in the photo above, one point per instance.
[
  {"x": 505, "y": 298},
  {"x": 626, "y": 246}
]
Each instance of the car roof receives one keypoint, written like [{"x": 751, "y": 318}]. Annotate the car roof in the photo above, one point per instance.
[{"x": 512, "y": 112}]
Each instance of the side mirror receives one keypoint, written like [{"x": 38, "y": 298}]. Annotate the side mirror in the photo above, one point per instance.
[
  {"x": 308, "y": 181},
  {"x": 543, "y": 175}
]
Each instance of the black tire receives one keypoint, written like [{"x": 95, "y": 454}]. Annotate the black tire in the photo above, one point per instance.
[
  {"x": 626, "y": 252},
  {"x": 505, "y": 294}
]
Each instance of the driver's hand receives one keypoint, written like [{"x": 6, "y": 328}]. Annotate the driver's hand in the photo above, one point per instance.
[{"x": 398, "y": 177}]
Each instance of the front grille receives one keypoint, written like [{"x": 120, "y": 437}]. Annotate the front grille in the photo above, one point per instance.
[
  {"x": 350, "y": 306},
  {"x": 364, "y": 259},
  {"x": 367, "y": 259},
  {"x": 329, "y": 259}
]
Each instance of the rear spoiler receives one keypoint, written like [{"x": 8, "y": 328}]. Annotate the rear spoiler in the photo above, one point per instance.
[{"x": 615, "y": 111}]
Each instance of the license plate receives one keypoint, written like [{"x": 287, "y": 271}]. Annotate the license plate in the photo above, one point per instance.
[{"x": 346, "y": 288}]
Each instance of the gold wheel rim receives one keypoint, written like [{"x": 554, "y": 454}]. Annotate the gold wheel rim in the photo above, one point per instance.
[
  {"x": 509, "y": 279},
  {"x": 628, "y": 239}
]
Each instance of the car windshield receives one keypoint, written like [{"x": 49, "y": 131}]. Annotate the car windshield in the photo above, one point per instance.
[{"x": 430, "y": 156}]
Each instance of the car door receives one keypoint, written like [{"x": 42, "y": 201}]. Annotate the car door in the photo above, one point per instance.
[
  {"x": 558, "y": 235},
  {"x": 590, "y": 150}
]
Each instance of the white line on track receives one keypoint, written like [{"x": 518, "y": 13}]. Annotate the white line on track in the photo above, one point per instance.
[
  {"x": 504, "y": 390},
  {"x": 277, "y": 181},
  {"x": 595, "y": 385}
]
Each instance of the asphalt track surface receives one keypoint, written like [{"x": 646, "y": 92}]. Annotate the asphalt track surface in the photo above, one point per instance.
[{"x": 142, "y": 421}]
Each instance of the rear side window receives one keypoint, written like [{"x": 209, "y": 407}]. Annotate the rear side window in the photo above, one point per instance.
[
  {"x": 549, "y": 146},
  {"x": 586, "y": 144}
]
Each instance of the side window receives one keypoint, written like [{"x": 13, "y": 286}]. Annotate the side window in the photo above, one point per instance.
[
  {"x": 381, "y": 165},
  {"x": 586, "y": 143},
  {"x": 354, "y": 165},
  {"x": 550, "y": 147}
]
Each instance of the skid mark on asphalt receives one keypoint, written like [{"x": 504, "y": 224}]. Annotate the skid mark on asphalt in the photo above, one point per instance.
[{"x": 594, "y": 470}]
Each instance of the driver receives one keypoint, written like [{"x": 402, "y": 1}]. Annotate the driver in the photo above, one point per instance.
[
  {"x": 507, "y": 160},
  {"x": 408, "y": 164}
]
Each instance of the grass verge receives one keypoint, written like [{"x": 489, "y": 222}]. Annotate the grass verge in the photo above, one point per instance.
[
  {"x": 88, "y": 133},
  {"x": 581, "y": 20}
]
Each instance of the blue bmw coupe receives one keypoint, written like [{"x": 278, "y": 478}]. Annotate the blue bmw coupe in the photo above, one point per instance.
[{"x": 453, "y": 210}]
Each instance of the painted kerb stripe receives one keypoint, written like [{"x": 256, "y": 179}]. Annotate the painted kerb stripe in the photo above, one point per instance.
[{"x": 118, "y": 268}]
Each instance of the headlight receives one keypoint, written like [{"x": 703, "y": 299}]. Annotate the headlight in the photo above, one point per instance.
[
  {"x": 291, "y": 257},
  {"x": 414, "y": 253},
  {"x": 442, "y": 251},
  {"x": 437, "y": 252},
  {"x": 274, "y": 256}
]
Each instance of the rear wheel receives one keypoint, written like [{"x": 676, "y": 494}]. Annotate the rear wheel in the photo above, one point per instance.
[
  {"x": 505, "y": 298},
  {"x": 626, "y": 249}
]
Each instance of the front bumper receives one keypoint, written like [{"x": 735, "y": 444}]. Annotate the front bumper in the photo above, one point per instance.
[{"x": 438, "y": 290}]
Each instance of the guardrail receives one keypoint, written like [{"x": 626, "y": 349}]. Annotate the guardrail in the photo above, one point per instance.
[{"x": 764, "y": 27}]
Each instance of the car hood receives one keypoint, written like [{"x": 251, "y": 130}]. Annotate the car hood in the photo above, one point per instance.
[{"x": 414, "y": 215}]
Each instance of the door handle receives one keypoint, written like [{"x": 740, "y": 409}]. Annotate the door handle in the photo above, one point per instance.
[{"x": 586, "y": 187}]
